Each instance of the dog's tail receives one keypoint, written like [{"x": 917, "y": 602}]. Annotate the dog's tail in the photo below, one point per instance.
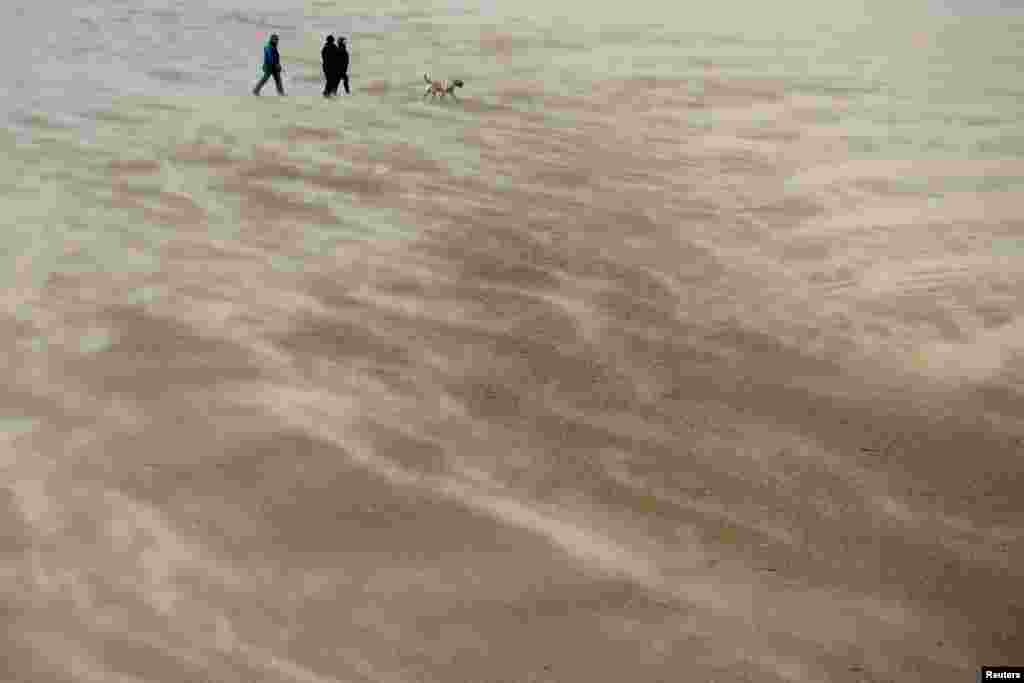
[{"x": 426, "y": 78}]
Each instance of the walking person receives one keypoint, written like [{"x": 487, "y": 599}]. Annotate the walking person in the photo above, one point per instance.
[
  {"x": 271, "y": 67},
  {"x": 342, "y": 66},
  {"x": 330, "y": 57}
]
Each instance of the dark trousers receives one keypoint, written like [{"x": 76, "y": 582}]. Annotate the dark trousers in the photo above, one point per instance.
[
  {"x": 267, "y": 75},
  {"x": 333, "y": 80}
]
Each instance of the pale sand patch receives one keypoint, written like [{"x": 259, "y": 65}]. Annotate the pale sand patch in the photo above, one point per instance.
[
  {"x": 980, "y": 358},
  {"x": 907, "y": 170}
]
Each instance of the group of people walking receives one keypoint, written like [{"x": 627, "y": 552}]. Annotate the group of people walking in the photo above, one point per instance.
[
  {"x": 335, "y": 61},
  {"x": 335, "y": 58}
]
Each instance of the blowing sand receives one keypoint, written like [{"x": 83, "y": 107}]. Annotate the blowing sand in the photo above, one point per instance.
[{"x": 635, "y": 378}]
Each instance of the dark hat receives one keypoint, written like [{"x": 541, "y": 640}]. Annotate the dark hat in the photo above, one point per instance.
[
  {"x": 330, "y": 39},
  {"x": 273, "y": 36},
  {"x": 341, "y": 39}
]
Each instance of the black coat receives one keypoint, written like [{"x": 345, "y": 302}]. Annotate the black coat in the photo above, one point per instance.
[
  {"x": 342, "y": 59},
  {"x": 331, "y": 58}
]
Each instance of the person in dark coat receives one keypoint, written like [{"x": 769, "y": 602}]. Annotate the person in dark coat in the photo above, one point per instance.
[
  {"x": 271, "y": 67},
  {"x": 330, "y": 57},
  {"x": 342, "y": 66}
]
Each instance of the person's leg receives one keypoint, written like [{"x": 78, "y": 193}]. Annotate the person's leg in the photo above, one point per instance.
[
  {"x": 262, "y": 82},
  {"x": 327, "y": 82},
  {"x": 344, "y": 79},
  {"x": 333, "y": 84},
  {"x": 278, "y": 83}
]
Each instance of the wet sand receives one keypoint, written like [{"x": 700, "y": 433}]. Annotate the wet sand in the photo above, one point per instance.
[{"x": 628, "y": 399}]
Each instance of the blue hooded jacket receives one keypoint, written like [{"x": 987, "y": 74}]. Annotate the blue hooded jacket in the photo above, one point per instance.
[{"x": 271, "y": 58}]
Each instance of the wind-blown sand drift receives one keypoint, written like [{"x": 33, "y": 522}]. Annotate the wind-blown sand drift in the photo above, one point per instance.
[{"x": 610, "y": 395}]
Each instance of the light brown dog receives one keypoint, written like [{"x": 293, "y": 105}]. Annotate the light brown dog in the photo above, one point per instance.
[{"x": 442, "y": 88}]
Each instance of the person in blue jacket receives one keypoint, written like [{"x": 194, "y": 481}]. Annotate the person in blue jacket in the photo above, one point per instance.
[{"x": 271, "y": 67}]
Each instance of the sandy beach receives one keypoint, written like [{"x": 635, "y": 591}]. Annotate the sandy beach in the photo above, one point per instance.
[{"x": 667, "y": 353}]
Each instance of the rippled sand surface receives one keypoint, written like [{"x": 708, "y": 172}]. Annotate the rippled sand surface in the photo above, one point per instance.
[{"x": 607, "y": 372}]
